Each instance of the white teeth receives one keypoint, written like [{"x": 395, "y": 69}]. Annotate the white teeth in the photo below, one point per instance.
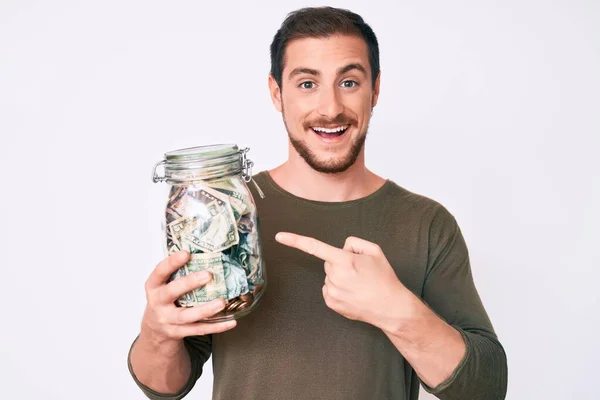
[{"x": 334, "y": 130}]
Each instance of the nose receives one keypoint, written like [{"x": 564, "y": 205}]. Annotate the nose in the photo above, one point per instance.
[{"x": 330, "y": 105}]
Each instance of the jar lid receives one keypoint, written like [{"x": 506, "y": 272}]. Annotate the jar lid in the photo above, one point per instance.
[{"x": 204, "y": 162}]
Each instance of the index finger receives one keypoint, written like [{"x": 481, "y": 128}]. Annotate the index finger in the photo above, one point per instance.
[
  {"x": 165, "y": 268},
  {"x": 312, "y": 246}
]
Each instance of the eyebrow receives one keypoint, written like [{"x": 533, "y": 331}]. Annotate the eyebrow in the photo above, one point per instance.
[
  {"x": 351, "y": 67},
  {"x": 301, "y": 70},
  {"x": 342, "y": 70}
]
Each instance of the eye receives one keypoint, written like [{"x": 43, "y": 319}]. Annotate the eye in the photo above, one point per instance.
[
  {"x": 307, "y": 85},
  {"x": 349, "y": 84}
]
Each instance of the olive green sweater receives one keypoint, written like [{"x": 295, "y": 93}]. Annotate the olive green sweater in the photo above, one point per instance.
[{"x": 293, "y": 347}]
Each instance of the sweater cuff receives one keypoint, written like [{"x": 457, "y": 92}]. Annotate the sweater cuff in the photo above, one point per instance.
[
  {"x": 153, "y": 394},
  {"x": 457, "y": 371}
]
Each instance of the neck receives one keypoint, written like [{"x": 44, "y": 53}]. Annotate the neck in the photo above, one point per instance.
[{"x": 300, "y": 179}]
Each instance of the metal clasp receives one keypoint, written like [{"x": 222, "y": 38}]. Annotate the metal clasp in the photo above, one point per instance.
[
  {"x": 155, "y": 177},
  {"x": 246, "y": 166}
]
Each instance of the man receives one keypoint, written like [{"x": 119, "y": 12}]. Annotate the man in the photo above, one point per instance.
[{"x": 370, "y": 291}]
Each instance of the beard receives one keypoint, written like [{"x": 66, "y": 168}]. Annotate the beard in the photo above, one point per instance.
[{"x": 332, "y": 165}]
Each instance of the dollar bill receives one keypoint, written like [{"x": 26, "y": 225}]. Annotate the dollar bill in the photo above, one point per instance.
[
  {"x": 178, "y": 228},
  {"x": 235, "y": 277},
  {"x": 238, "y": 207},
  {"x": 175, "y": 204},
  {"x": 176, "y": 193},
  {"x": 247, "y": 252},
  {"x": 185, "y": 203},
  {"x": 216, "y": 288},
  {"x": 246, "y": 224},
  {"x": 212, "y": 228},
  {"x": 218, "y": 235},
  {"x": 229, "y": 188}
]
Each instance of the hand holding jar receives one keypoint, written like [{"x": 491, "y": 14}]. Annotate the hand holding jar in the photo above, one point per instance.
[{"x": 162, "y": 319}]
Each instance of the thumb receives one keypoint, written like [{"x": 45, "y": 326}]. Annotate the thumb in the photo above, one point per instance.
[{"x": 361, "y": 246}]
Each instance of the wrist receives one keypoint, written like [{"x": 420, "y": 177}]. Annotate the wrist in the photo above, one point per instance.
[
  {"x": 401, "y": 319},
  {"x": 160, "y": 344}
]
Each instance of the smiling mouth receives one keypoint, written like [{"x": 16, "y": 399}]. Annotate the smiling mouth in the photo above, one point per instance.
[{"x": 329, "y": 133}]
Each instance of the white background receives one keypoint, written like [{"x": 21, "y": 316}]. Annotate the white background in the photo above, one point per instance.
[{"x": 491, "y": 108}]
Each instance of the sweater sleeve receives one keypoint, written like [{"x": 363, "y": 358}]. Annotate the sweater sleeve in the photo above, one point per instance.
[
  {"x": 449, "y": 290},
  {"x": 199, "y": 349}
]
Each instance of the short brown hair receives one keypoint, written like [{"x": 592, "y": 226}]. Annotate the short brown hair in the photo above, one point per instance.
[{"x": 321, "y": 22}]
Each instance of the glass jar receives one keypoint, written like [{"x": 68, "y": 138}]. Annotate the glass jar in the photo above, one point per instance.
[{"x": 210, "y": 212}]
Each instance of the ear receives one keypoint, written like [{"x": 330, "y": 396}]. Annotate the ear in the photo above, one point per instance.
[
  {"x": 376, "y": 90},
  {"x": 275, "y": 93}
]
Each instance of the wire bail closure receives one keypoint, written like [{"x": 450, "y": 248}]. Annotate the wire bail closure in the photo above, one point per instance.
[
  {"x": 155, "y": 177},
  {"x": 246, "y": 166}
]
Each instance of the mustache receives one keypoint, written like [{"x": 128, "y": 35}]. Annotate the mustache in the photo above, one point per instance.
[{"x": 339, "y": 120}]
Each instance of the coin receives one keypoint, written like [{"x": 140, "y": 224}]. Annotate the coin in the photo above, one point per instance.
[
  {"x": 247, "y": 297},
  {"x": 234, "y": 305},
  {"x": 227, "y": 305}
]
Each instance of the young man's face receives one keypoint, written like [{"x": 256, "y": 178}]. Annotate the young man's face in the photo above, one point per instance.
[{"x": 326, "y": 99}]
